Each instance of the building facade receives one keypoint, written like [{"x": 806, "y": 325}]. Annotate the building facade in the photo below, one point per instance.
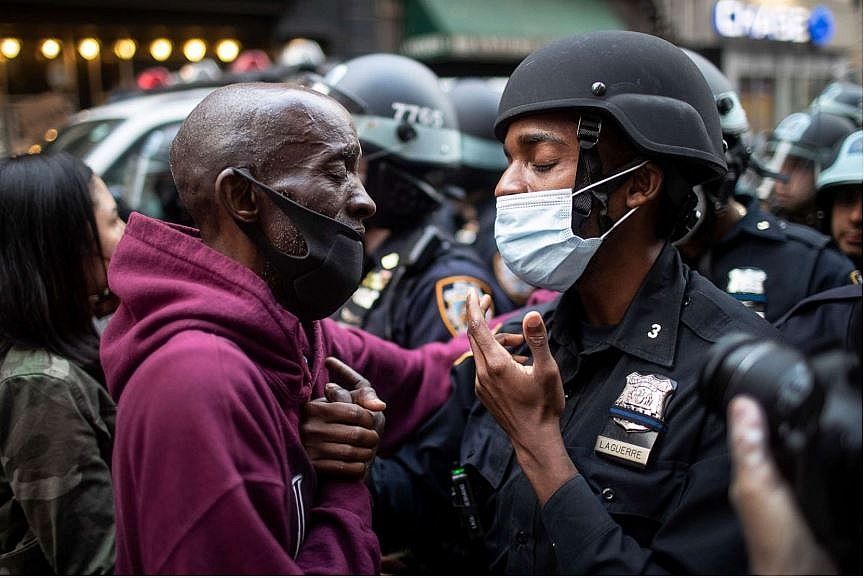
[{"x": 779, "y": 55}]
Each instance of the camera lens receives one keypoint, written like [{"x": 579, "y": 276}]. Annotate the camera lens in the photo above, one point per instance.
[{"x": 779, "y": 377}]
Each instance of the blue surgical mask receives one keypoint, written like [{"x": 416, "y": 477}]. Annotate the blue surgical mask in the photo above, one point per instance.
[{"x": 534, "y": 233}]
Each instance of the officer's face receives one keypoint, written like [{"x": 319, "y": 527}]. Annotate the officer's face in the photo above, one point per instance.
[
  {"x": 800, "y": 191},
  {"x": 542, "y": 154},
  {"x": 846, "y": 221}
]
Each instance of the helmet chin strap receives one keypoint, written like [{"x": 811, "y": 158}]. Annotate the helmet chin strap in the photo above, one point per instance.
[{"x": 589, "y": 168}]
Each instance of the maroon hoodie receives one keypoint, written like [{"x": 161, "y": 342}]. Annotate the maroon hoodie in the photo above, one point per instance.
[{"x": 210, "y": 375}]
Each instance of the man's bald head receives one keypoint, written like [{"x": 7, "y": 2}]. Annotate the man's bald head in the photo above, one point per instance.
[{"x": 249, "y": 125}]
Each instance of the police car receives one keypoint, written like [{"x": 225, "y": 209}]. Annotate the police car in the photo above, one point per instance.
[{"x": 126, "y": 143}]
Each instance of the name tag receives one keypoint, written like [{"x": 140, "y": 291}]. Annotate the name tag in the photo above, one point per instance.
[{"x": 622, "y": 450}]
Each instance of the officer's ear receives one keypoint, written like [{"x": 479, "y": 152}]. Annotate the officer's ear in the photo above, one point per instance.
[
  {"x": 237, "y": 195},
  {"x": 645, "y": 185}
]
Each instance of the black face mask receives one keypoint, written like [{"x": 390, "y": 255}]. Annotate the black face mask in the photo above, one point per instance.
[{"x": 318, "y": 283}]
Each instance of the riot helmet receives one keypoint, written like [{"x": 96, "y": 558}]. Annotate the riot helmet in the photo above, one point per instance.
[
  {"x": 842, "y": 98},
  {"x": 812, "y": 135},
  {"x": 803, "y": 143},
  {"x": 846, "y": 169},
  {"x": 843, "y": 178},
  {"x": 645, "y": 85},
  {"x": 733, "y": 118},
  {"x": 407, "y": 128},
  {"x": 482, "y": 159}
]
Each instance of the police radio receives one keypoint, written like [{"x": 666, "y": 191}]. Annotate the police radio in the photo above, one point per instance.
[{"x": 463, "y": 501}]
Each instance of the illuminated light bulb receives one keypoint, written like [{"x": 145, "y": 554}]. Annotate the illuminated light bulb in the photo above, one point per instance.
[
  {"x": 50, "y": 48},
  {"x": 160, "y": 49},
  {"x": 10, "y": 47},
  {"x": 227, "y": 50},
  {"x": 88, "y": 48},
  {"x": 194, "y": 50},
  {"x": 125, "y": 48}
]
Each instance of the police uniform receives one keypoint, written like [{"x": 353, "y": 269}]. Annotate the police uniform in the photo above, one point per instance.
[
  {"x": 415, "y": 290},
  {"x": 770, "y": 265},
  {"x": 653, "y": 459},
  {"x": 829, "y": 318}
]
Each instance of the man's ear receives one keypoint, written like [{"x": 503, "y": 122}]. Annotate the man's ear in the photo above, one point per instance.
[
  {"x": 645, "y": 185},
  {"x": 237, "y": 195}
]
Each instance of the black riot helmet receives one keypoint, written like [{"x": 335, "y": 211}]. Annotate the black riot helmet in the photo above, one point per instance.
[
  {"x": 812, "y": 135},
  {"x": 644, "y": 84},
  {"x": 407, "y": 128},
  {"x": 482, "y": 159}
]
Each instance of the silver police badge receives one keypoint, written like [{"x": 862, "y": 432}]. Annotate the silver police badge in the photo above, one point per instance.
[
  {"x": 635, "y": 420},
  {"x": 646, "y": 395}
]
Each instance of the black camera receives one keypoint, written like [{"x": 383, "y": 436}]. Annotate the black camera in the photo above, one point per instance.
[{"x": 814, "y": 414}]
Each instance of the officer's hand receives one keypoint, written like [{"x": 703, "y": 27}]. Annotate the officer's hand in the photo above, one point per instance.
[
  {"x": 779, "y": 541},
  {"x": 340, "y": 430},
  {"x": 526, "y": 400}
]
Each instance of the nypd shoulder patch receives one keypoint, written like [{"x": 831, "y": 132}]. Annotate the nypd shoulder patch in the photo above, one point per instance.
[{"x": 451, "y": 294}]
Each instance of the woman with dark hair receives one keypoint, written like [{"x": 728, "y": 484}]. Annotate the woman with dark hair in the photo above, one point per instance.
[{"x": 58, "y": 229}]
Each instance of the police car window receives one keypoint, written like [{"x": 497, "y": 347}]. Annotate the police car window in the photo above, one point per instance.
[
  {"x": 141, "y": 179},
  {"x": 80, "y": 139}
]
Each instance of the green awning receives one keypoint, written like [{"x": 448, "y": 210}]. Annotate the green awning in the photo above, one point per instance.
[{"x": 497, "y": 29}]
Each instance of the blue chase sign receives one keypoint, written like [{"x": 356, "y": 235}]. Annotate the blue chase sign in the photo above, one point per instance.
[{"x": 784, "y": 23}]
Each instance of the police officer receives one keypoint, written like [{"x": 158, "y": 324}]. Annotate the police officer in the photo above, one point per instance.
[
  {"x": 766, "y": 263},
  {"x": 588, "y": 450},
  {"x": 838, "y": 196},
  {"x": 416, "y": 278},
  {"x": 801, "y": 146}
]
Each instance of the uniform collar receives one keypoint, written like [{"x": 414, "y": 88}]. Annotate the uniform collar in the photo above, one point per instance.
[{"x": 649, "y": 329}]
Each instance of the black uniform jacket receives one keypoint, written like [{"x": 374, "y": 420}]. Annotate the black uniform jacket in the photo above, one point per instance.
[
  {"x": 669, "y": 513},
  {"x": 772, "y": 265},
  {"x": 831, "y": 318}
]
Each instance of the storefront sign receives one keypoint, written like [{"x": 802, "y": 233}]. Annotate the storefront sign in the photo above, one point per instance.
[{"x": 737, "y": 19}]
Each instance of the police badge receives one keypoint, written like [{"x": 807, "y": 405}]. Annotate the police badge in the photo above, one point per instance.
[{"x": 636, "y": 419}]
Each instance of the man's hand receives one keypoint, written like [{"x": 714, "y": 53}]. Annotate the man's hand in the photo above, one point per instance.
[
  {"x": 340, "y": 430},
  {"x": 779, "y": 541}
]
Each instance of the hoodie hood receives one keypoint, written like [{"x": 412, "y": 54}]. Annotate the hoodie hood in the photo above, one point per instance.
[{"x": 169, "y": 281}]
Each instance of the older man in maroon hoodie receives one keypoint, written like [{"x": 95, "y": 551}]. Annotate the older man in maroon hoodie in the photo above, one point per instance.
[{"x": 217, "y": 347}]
